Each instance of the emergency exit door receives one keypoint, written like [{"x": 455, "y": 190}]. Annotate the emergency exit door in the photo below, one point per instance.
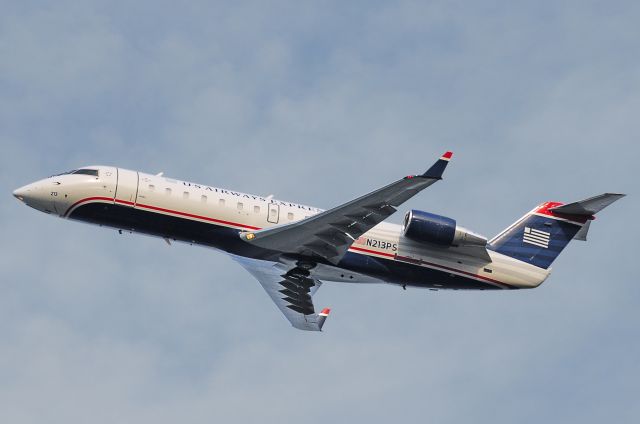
[{"x": 273, "y": 213}]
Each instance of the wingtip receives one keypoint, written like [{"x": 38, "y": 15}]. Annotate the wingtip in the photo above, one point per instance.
[
  {"x": 437, "y": 169},
  {"x": 322, "y": 317}
]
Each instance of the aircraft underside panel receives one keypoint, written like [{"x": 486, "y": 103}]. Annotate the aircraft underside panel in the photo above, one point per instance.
[{"x": 226, "y": 238}]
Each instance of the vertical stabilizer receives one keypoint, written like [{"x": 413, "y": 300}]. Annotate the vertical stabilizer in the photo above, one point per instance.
[{"x": 539, "y": 236}]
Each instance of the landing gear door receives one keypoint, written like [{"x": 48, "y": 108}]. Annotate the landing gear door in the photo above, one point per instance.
[{"x": 127, "y": 189}]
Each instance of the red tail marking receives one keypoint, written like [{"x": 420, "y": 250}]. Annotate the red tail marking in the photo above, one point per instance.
[{"x": 544, "y": 209}]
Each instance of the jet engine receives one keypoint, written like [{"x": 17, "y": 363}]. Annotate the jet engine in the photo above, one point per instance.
[{"x": 427, "y": 227}]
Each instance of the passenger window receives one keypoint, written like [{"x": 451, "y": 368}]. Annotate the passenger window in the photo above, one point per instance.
[
  {"x": 256, "y": 209},
  {"x": 240, "y": 206},
  {"x": 203, "y": 198},
  {"x": 221, "y": 202},
  {"x": 185, "y": 195},
  {"x": 290, "y": 216}
]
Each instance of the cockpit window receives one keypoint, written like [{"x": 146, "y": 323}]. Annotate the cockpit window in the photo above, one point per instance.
[
  {"x": 92, "y": 172},
  {"x": 64, "y": 173}
]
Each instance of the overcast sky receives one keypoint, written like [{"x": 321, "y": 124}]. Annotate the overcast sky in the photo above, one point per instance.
[{"x": 318, "y": 102}]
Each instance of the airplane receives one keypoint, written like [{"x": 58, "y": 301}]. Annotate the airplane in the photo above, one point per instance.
[{"x": 291, "y": 249}]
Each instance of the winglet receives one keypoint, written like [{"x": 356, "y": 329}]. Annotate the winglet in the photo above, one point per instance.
[
  {"x": 437, "y": 169},
  {"x": 322, "y": 317}
]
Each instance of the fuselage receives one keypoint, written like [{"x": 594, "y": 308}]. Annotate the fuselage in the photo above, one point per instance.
[{"x": 214, "y": 217}]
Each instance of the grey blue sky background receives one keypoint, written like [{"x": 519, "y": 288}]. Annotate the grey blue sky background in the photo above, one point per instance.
[{"x": 318, "y": 102}]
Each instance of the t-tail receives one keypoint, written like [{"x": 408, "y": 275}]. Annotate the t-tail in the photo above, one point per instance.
[{"x": 539, "y": 236}]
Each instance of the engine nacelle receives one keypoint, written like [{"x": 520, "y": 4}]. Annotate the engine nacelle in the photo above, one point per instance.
[{"x": 427, "y": 227}]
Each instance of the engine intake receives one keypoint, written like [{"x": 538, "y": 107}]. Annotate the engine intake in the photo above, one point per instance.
[{"x": 427, "y": 227}]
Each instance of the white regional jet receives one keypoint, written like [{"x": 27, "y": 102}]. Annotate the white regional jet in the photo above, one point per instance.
[{"x": 291, "y": 248}]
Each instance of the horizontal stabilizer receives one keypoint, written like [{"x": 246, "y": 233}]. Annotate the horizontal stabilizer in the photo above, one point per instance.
[{"x": 589, "y": 206}]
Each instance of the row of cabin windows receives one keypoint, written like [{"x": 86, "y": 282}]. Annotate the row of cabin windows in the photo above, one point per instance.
[{"x": 221, "y": 202}]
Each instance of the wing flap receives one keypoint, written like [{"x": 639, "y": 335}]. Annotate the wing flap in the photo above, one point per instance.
[{"x": 291, "y": 290}]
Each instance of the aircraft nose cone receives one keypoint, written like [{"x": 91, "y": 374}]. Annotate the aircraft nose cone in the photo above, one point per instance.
[
  {"x": 20, "y": 193},
  {"x": 37, "y": 196}
]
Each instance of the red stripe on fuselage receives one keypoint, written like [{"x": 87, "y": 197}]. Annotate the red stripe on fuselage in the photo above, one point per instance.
[
  {"x": 420, "y": 262},
  {"x": 236, "y": 224},
  {"x": 156, "y": 208},
  {"x": 360, "y": 249},
  {"x": 85, "y": 200},
  {"x": 190, "y": 215}
]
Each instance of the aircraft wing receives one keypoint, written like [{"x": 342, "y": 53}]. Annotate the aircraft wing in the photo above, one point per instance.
[
  {"x": 290, "y": 290},
  {"x": 329, "y": 234}
]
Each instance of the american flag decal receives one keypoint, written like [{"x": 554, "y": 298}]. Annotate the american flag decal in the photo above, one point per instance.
[{"x": 536, "y": 237}]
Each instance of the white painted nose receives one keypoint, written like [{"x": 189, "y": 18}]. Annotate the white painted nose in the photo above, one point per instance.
[
  {"x": 36, "y": 195},
  {"x": 22, "y": 193}
]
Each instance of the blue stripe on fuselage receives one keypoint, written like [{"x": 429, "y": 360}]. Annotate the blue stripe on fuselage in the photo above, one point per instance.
[{"x": 226, "y": 239}]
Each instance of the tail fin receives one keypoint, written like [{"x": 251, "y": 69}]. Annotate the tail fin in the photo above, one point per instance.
[{"x": 539, "y": 236}]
